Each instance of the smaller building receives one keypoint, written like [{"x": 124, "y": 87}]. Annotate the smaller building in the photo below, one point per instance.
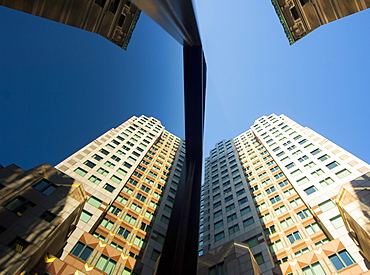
[
  {"x": 230, "y": 258},
  {"x": 300, "y": 17},
  {"x": 114, "y": 20},
  {"x": 39, "y": 209},
  {"x": 354, "y": 206}
]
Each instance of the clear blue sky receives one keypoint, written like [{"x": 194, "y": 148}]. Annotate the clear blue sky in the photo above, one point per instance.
[{"x": 62, "y": 87}]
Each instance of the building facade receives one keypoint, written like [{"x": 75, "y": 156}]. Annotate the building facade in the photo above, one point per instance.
[
  {"x": 114, "y": 20},
  {"x": 300, "y": 17},
  {"x": 39, "y": 209},
  {"x": 130, "y": 175},
  {"x": 274, "y": 188}
]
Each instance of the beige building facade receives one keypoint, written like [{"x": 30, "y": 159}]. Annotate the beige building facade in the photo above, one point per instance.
[
  {"x": 114, "y": 20},
  {"x": 300, "y": 17},
  {"x": 274, "y": 188},
  {"x": 130, "y": 175}
]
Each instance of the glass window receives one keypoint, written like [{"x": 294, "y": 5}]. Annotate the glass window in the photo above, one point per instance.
[
  {"x": 341, "y": 260},
  {"x": 45, "y": 187},
  {"x": 327, "y": 205},
  {"x": 82, "y": 251},
  {"x": 219, "y": 236},
  {"x": 310, "y": 190},
  {"x": 85, "y": 216},
  {"x": 313, "y": 269},
  {"x": 248, "y": 221},
  {"x": 19, "y": 205},
  {"x": 106, "y": 264},
  {"x": 80, "y": 171},
  {"x": 94, "y": 201},
  {"x": 337, "y": 221}
]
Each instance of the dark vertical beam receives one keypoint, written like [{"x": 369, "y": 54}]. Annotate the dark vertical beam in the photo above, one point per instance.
[{"x": 180, "y": 250}]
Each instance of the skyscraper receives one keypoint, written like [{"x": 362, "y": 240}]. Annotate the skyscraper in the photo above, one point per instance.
[
  {"x": 300, "y": 17},
  {"x": 274, "y": 189},
  {"x": 114, "y": 20},
  {"x": 130, "y": 175}
]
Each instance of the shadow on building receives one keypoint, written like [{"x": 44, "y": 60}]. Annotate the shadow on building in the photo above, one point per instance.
[{"x": 39, "y": 210}]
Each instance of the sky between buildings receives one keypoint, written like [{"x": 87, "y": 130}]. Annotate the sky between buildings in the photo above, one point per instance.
[{"x": 61, "y": 87}]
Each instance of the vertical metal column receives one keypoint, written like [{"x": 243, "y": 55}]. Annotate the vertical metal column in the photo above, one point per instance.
[{"x": 180, "y": 250}]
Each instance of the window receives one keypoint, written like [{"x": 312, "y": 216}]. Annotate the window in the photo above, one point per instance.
[
  {"x": 295, "y": 236},
  {"x": 301, "y": 252},
  {"x": 317, "y": 173},
  {"x": 109, "y": 187},
  {"x": 275, "y": 199},
  {"x": 276, "y": 246},
  {"x": 337, "y": 221},
  {"x": 18, "y": 244},
  {"x": 326, "y": 182},
  {"x": 94, "y": 201},
  {"x": 218, "y": 224},
  {"x": 296, "y": 172},
  {"x": 233, "y": 229},
  {"x": 324, "y": 157},
  {"x": 105, "y": 152},
  {"x": 89, "y": 164},
  {"x": 103, "y": 171},
  {"x": 109, "y": 146},
  {"x": 303, "y": 181},
  {"x": 115, "y": 210},
  {"x": 280, "y": 154},
  {"x": 281, "y": 261},
  {"x": 265, "y": 218},
  {"x": 280, "y": 210},
  {"x": 327, "y": 205},
  {"x": 313, "y": 269},
  {"x": 302, "y": 158},
  {"x": 109, "y": 164},
  {"x": 245, "y": 210},
  {"x": 310, "y": 190},
  {"x": 270, "y": 230},
  {"x": 332, "y": 165},
  {"x": 116, "y": 179},
  {"x": 295, "y": 16},
  {"x": 140, "y": 197},
  {"x": 315, "y": 152},
  {"x": 108, "y": 224},
  {"x": 242, "y": 201},
  {"x": 80, "y": 171},
  {"x": 128, "y": 190},
  {"x": 321, "y": 242},
  {"x": 85, "y": 216},
  {"x": 309, "y": 165},
  {"x": 130, "y": 219},
  {"x": 270, "y": 190},
  {"x": 283, "y": 183},
  {"x": 48, "y": 216},
  {"x": 82, "y": 251},
  {"x": 229, "y": 198},
  {"x": 343, "y": 173},
  {"x": 230, "y": 207},
  {"x": 231, "y": 217},
  {"x": 45, "y": 187},
  {"x": 341, "y": 260},
  {"x": 240, "y": 192},
  {"x": 290, "y": 165},
  {"x": 287, "y": 222},
  {"x": 302, "y": 141},
  {"x": 217, "y": 204},
  {"x": 219, "y": 236},
  {"x": 248, "y": 221},
  {"x": 19, "y": 205},
  {"x": 95, "y": 180},
  {"x": 252, "y": 242},
  {"x": 123, "y": 232},
  {"x": 106, "y": 264},
  {"x": 312, "y": 228},
  {"x": 304, "y": 214},
  {"x": 296, "y": 202},
  {"x": 165, "y": 219}
]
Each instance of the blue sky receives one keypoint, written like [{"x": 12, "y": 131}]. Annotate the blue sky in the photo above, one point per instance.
[{"x": 61, "y": 87}]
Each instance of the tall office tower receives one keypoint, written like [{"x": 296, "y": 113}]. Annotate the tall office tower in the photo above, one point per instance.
[
  {"x": 300, "y": 17},
  {"x": 114, "y": 19},
  {"x": 130, "y": 175},
  {"x": 274, "y": 189}
]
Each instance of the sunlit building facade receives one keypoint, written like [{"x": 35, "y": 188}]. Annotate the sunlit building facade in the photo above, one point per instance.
[
  {"x": 114, "y": 20},
  {"x": 300, "y": 17},
  {"x": 130, "y": 175},
  {"x": 274, "y": 188}
]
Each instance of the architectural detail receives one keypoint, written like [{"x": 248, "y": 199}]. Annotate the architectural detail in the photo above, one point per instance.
[
  {"x": 39, "y": 209},
  {"x": 130, "y": 175},
  {"x": 300, "y": 17},
  {"x": 114, "y": 20},
  {"x": 354, "y": 205},
  {"x": 274, "y": 188}
]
